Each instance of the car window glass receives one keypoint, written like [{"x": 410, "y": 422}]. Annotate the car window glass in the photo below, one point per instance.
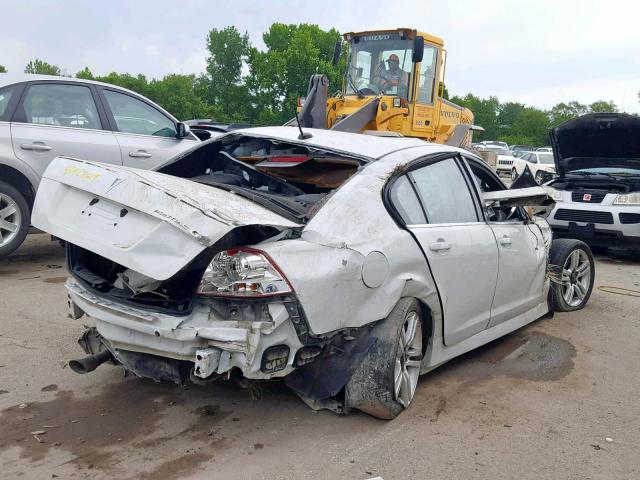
[
  {"x": 63, "y": 105},
  {"x": 134, "y": 116},
  {"x": 5, "y": 96},
  {"x": 427, "y": 74},
  {"x": 406, "y": 203},
  {"x": 444, "y": 193}
]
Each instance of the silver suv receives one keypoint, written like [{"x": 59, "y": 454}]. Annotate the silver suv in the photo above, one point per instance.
[{"x": 43, "y": 117}]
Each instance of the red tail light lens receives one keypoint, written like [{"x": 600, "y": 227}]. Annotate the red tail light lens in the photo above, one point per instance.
[{"x": 243, "y": 272}]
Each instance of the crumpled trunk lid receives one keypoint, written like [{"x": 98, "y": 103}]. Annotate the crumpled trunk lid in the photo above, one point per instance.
[
  {"x": 597, "y": 140},
  {"x": 149, "y": 222}
]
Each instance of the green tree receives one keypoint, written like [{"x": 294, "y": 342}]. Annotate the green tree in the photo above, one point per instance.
[
  {"x": 223, "y": 85},
  {"x": 279, "y": 75},
  {"x": 85, "y": 74},
  {"x": 562, "y": 112},
  {"x": 42, "y": 68},
  {"x": 603, "y": 106},
  {"x": 508, "y": 113},
  {"x": 2, "y": 69},
  {"x": 177, "y": 94},
  {"x": 532, "y": 124},
  {"x": 137, "y": 83},
  {"x": 485, "y": 113}
]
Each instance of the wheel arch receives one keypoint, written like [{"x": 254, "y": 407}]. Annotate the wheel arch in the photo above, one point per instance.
[
  {"x": 428, "y": 325},
  {"x": 19, "y": 181}
]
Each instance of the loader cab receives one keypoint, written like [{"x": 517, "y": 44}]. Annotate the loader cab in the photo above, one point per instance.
[{"x": 400, "y": 63}]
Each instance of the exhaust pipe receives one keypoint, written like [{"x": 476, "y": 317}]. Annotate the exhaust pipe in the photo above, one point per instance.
[{"x": 90, "y": 362}]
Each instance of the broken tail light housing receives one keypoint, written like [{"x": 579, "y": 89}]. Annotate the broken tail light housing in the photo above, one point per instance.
[{"x": 243, "y": 272}]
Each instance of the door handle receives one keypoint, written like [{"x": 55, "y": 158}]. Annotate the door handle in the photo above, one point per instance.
[
  {"x": 36, "y": 146},
  {"x": 505, "y": 241},
  {"x": 440, "y": 246},
  {"x": 140, "y": 154}
]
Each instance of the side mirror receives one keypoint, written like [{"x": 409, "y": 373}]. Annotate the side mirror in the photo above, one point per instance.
[
  {"x": 337, "y": 50},
  {"x": 182, "y": 130},
  {"x": 418, "y": 49}
]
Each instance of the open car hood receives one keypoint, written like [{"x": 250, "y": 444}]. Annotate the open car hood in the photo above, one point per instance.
[
  {"x": 597, "y": 140},
  {"x": 149, "y": 222}
]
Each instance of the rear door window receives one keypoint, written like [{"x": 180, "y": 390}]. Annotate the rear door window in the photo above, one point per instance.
[
  {"x": 60, "y": 105},
  {"x": 444, "y": 193}
]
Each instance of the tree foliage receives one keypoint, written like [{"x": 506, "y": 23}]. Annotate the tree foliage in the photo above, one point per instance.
[
  {"x": 485, "y": 112},
  {"x": 42, "y": 68},
  {"x": 279, "y": 75},
  {"x": 603, "y": 106},
  {"x": 2, "y": 69},
  {"x": 244, "y": 84},
  {"x": 222, "y": 85}
]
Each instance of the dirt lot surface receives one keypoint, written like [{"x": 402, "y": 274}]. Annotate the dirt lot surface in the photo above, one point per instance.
[{"x": 557, "y": 399}]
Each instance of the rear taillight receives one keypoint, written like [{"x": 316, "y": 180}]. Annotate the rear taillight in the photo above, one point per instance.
[{"x": 243, "y": 272}]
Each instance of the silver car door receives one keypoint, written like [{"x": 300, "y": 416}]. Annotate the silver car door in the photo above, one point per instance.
[
  {"x": 459, "y": 246},
  {"x": 147, "y": 136},
  {"x": 522, "y": 257},
  {"x": 58, "y": 118}
]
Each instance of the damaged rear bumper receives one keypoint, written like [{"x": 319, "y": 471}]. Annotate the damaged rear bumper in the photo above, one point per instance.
[{"x": 261, "y": 349}]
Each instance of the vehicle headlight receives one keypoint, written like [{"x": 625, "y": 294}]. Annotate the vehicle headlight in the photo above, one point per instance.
[
  {"x": 627, "y": 199},
  {"x": 556, "y": 195},
  {"x": 243, "y": 272}
]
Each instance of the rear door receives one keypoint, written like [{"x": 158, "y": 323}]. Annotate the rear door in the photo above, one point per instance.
[
  {"x": 460, "y": 247},
  {"x": 61, "y": 118},
  {"x": 146, "y": 135}
]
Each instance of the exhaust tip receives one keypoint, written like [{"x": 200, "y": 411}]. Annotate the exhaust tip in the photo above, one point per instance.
[
  {"x": 77, "y": 366},
  {"x": 90, "y": 362}
]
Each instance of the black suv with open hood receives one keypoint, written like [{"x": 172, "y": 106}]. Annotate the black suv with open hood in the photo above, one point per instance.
[{"x": 597, "y": 192}]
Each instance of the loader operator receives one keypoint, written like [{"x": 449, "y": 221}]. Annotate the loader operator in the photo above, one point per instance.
[{"x": 394, "y": 80}]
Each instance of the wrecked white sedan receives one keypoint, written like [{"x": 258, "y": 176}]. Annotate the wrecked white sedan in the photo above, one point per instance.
[{"x": 345, "y": 263}]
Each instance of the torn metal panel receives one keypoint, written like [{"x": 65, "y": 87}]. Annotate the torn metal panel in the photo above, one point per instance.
[{"x": 520, "y": 197}]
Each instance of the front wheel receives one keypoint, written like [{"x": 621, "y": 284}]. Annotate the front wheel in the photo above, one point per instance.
[
  {"x": 14, "y": 219},
  {"x": 514, "y": 174},
  {"x": 385, "y": 382},
  {"x": 573, "y": 274},
  {"x": 539, "y": 177}
]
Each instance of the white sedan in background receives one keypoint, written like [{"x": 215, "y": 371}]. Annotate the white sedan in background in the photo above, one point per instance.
[{"x": 540, "y": 164}]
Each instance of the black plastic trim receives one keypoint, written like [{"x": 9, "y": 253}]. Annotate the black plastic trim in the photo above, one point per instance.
[{"x": 13, "y": 101}]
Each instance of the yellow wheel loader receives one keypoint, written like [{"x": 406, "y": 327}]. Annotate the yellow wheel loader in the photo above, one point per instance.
[{"x": 393, "y": 85}]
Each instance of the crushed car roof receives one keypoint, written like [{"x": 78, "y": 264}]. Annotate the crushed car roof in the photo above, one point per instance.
[{"x": 369, "y": 146}]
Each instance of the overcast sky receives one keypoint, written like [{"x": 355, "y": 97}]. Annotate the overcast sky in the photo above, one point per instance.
[{"x": 535, "y": 52}]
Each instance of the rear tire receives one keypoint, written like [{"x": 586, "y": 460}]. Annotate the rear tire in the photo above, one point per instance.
[
  {"x": 385, "y": 382},
  {"x": 15, "y": 219},
  {"x": 574, "y": 269}
]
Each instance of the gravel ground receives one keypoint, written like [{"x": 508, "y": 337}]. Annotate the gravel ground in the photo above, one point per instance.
[{"x": 556, "y": 399}]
